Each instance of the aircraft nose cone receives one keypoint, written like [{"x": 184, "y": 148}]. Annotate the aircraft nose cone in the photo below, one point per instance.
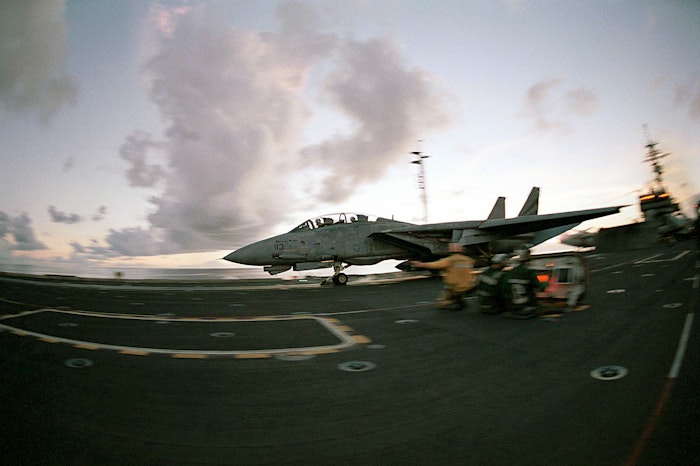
[
  {"x": 238, "y": 256},
  {"x": 231, "y": 257},
  {"x": 248, "y": 255}
]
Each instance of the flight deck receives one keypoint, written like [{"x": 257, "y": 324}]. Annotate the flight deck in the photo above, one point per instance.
[{"x": 120, "y": 372}]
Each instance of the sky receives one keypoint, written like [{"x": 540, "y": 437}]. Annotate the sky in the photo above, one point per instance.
[{"x": 168, "y": 133}]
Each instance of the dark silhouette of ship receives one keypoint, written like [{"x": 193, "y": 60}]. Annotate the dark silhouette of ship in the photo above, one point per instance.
[
  {"x": 662, "y": 221},
  {"x": 657, "y": 202}
]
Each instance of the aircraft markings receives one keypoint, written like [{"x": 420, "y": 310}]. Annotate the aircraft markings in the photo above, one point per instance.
[{"x": 341, "y": 332}]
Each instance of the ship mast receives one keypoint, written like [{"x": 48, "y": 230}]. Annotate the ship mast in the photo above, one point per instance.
[
  {"x": 421, "y": 181},
  {"x": 654, "y": 157},
  {"x": 657, "y": 202}
]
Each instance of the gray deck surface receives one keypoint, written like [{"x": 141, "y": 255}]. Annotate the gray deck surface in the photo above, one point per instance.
[{"x": 188, "y": 373}]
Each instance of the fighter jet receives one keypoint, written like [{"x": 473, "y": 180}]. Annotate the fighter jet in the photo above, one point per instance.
[
  {"x": 340, "y": 240},
  {"x": 580, "y": 239}
]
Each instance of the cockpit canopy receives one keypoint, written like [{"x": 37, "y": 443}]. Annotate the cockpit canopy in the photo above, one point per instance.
[{"x": 333, "y": 219}]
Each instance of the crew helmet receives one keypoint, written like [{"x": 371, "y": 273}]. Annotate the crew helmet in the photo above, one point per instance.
[
  {"x": 499, "y": 258},
  {"x": 523, "y": 253}
]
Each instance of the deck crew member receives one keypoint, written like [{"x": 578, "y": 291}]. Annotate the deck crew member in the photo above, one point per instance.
[
  {"x": 457, "y": 275},
  {"x": 520, "y": 285},
  {"x": 489, "y": 288}
]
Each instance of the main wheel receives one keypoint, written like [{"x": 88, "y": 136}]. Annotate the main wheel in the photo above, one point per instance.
[{"x": 340, "y": 279}]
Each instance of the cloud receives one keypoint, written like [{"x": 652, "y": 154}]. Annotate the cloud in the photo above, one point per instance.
[
  {"x": 58, "y": 216},
  {"x": 33, "y": 38},
  {"x": 17, "y": 233},
  {"x": 135, "y": 150},
  {"x": 62, "y": 217},
  {"x": 93, "y": 251},
  {"x": 389, "y": 104},
  {"x": 581, "y": 101},
  {"x": 99, "y": 215},
  {"x": 68, "y": 164},
  {"x": 237, "y": 103},
  {"x": 537, "y": 104},
  {"x": 135, "y": 242},
  {"x": 78, "y": 248},
  {"x": 549, "y": 105},
  {"x": 688, "y": 95}
]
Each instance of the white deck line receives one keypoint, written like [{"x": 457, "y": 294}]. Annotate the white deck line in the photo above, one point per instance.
[{"x": 346, "y": 339}]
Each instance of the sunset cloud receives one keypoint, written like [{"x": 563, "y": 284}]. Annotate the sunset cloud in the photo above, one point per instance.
[
  {"x": 17, "y": 233},
  {"x": 61, "y": 217},
  {"x": 33, "y": 49},
  {"x": 237, "y": 101},
  {"x": 550, "y": 105}
]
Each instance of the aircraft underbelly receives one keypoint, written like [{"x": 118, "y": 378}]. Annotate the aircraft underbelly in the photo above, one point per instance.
[
  {"x": 276, "y": 269},
  {"x": 300, "y": 266},
  {"x": 409, "y": 244},
  {"x": 473, "y": 237},
  {"x": 544, "y": 235}
]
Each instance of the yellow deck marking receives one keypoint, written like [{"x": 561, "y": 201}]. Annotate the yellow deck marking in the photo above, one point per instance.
[
  {"x": 87, "y": 346},
  {"x": 361, "y": 339},
  {"x": 134, "y": 352},
  {"x": 252, "y": 355},
  {"x": 49, "y": 340},
  {"x": 346, "y": 340}
]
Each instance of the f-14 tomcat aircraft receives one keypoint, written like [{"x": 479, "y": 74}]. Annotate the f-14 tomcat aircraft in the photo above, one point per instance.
[{"x": 337, "y": 240}]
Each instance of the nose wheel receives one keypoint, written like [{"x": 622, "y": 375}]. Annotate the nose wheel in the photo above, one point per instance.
[{"x": 340, "y": 279}]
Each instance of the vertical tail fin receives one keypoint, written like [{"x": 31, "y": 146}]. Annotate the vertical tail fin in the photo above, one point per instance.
[
  {"x": 531, "y": 204},
  {"x": 499, "y": 209}
]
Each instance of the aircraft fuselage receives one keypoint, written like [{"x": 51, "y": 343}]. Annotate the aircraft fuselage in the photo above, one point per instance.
[
  {"x": 316, "y": 245},
  {"x": 357, "y": 239}
]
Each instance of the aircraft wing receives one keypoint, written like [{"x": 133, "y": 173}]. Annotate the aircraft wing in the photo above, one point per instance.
[
  {"x": 423, "y": 238},
  {"x": 532, "y": 223}
]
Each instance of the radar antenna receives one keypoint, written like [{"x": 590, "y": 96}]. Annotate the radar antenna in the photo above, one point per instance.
[{"x": 421, "y": 180}]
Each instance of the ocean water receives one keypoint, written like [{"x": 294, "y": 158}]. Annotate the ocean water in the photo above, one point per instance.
[
  {"x": 234, "y": 272},
  {"x": 138, "y": 273}
]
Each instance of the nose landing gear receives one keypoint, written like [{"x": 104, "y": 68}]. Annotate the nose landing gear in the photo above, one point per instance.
[{"x": 338, "y": 278}]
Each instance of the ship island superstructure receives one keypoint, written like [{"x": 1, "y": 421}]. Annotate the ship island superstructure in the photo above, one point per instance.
[
  {"x": 657, "y": 202},
  {"x": 662, "y": 216}
]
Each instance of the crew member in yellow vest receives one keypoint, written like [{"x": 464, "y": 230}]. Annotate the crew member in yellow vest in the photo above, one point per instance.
[{"x": 457, "y": 275}]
